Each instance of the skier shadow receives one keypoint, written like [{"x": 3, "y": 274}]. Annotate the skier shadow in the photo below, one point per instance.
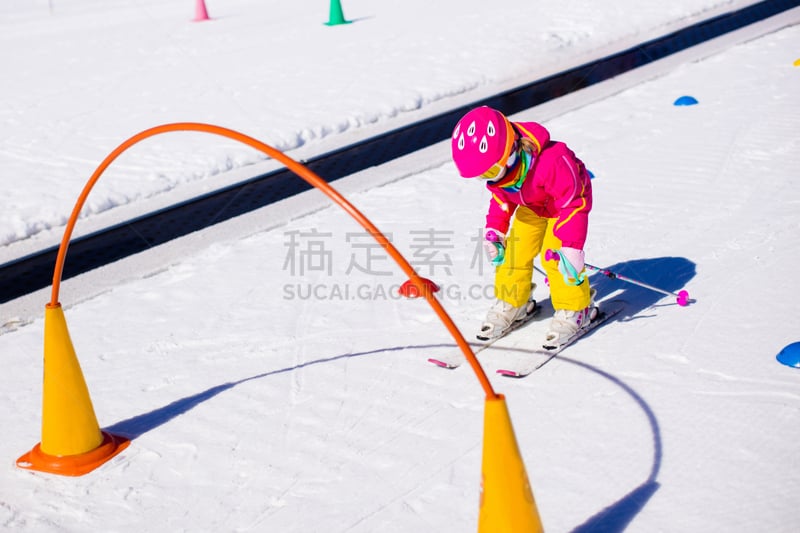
[{"x": 666, "y": 273}]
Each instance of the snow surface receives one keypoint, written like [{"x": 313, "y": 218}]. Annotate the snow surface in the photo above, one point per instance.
[
  {"x": 83, "y": 76},
  {"x": 270, "y": 384}
]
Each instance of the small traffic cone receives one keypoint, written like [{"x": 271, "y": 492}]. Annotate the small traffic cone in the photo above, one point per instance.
[
  {"x": 409, "y": 290},
  {"x": 200, "y": 11},
  {"x": 336, "y": 15},
  {"x": 507, "y": 504},
  {"x": 72, "y": 443}
]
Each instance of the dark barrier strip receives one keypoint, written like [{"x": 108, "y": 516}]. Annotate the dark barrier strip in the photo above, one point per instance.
[{"x": 35, "y": 271}]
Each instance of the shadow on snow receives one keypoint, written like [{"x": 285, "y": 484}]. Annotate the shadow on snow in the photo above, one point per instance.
[
  {"x": 139, "y": 425},
  {"x": 668, "y": 273}
]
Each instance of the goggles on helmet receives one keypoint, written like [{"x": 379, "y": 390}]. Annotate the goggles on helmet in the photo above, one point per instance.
[{"x": 498, "y": 170}]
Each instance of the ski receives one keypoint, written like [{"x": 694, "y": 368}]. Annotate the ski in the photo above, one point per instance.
[
  {"x": 526, "y": 364},
  {"x": 456, "y": 359}
]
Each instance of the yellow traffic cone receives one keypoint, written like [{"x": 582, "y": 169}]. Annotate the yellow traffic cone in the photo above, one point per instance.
[
  {"x": 507, "y": 504},
  {"x": 72, "y": 443}
]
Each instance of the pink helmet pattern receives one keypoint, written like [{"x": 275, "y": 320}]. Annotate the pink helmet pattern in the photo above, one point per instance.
[{"x": 482, "y": 138}]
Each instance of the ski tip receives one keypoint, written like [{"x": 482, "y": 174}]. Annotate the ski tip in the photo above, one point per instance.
[
  {"x": 440, "y": 364},
  {"x": 508, "y": 373}
]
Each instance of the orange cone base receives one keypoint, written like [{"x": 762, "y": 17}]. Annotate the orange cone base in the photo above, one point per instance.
[{"x": 74, "y": 465}]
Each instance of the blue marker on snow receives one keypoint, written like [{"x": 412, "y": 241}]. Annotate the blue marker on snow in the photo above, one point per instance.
[
  {"x": 790, "y": 356},
  {"x": 686, "y": 100}
]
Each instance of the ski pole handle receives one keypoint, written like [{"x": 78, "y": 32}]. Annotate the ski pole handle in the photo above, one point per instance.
[{"x": 682, "y": 297}]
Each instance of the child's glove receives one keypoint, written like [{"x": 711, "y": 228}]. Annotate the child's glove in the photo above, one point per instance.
[
  {"x": 495, "y": 246},
  {"x": 574, "y": 256},
  {"x": 570, "y": 264}
]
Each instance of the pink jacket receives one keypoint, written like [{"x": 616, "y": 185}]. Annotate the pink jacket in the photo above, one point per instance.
[{"x": 557, "y": 186}]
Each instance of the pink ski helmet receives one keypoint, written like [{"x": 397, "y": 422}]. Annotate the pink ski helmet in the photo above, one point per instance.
[{"x": 482, "y": 142}]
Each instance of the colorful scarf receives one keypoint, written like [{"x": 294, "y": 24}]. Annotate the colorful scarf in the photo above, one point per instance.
[{"x": 515, "y": 176}]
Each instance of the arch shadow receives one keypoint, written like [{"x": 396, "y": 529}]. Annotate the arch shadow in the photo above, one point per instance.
[
  {"x": 614, "y": 518},
  {"x": 617, "y": 516},
  {"x": 138, "y": 425}
]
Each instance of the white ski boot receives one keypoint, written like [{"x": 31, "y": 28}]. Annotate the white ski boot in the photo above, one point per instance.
[
  {"x": 566, "y": 324},
  {"x": 501, "y": 318}
]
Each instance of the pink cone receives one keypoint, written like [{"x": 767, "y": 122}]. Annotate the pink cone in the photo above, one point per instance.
[{"x": 200, "y": 12}]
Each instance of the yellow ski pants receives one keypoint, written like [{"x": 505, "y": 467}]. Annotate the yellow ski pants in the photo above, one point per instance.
[{"x": 531, "y": 235}]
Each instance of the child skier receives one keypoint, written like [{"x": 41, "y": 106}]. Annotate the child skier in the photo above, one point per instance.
[{"x": 546, "y": 188}]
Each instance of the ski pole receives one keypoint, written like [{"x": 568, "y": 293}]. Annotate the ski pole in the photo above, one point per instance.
[{"x": 682, "y": 297}]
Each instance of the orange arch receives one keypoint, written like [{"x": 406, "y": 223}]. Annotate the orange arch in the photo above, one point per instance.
[{"x": 306, "y": 174}]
